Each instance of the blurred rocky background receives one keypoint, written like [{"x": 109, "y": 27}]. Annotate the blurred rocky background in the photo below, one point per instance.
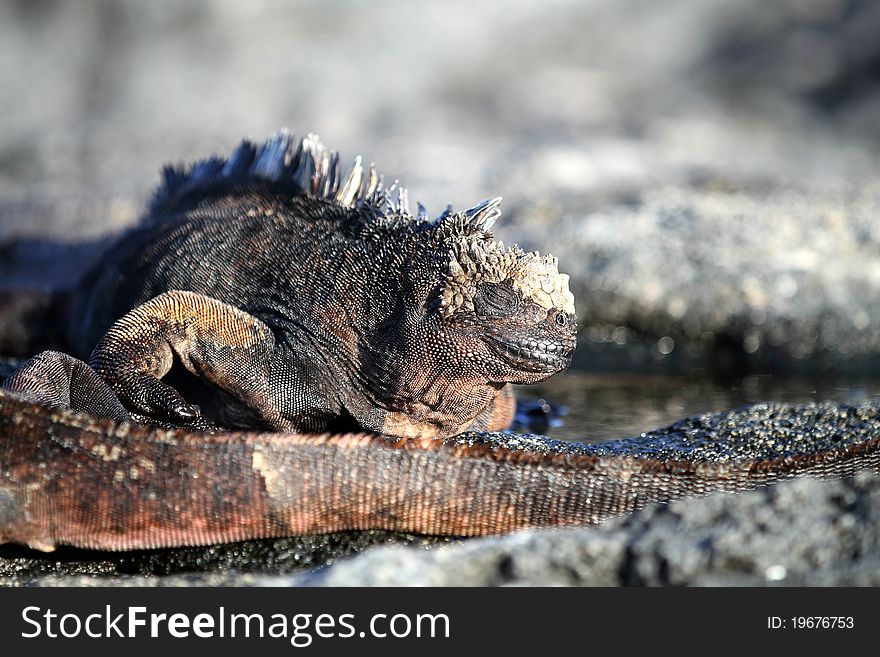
[{"x": 705, "y": 169}]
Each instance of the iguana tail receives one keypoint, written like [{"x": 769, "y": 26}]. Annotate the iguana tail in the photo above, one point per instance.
[{"x": 69, "y": 478}]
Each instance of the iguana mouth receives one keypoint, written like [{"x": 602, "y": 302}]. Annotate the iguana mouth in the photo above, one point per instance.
[{"x": 532, "y": 355}]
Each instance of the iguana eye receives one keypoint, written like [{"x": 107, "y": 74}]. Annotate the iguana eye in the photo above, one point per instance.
[{"x": 496, "y": 300}]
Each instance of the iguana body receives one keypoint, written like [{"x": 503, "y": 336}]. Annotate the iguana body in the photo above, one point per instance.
[{"x": 312, "y": 301}]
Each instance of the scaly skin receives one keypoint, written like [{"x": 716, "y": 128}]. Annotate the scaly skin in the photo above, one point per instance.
[
  {"x": 120, "y": 486},
  {"x": 354, "y": 312},
  {"x": 308, "y": 301}
]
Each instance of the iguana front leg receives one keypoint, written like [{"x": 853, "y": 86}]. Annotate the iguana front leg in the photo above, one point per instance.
[{"x": 215, "y": 341}]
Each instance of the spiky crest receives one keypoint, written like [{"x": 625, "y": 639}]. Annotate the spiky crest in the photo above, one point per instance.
[{"x": 311, "y": 169}]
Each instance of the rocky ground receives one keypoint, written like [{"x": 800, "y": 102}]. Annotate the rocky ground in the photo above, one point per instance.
[{"x": 706, "y": 170}]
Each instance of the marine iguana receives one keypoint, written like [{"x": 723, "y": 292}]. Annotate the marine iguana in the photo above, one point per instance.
[{"x": 317, "y": 303}]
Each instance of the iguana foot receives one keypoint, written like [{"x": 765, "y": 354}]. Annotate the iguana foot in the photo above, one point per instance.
[{"x": 57, "y": 380}]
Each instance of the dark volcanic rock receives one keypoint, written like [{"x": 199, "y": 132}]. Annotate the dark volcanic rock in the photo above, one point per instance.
[{"x": 20, "y": 566}]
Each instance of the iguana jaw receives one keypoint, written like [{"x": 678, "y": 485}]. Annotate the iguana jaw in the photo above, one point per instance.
[{"x": 534, "y": 354}]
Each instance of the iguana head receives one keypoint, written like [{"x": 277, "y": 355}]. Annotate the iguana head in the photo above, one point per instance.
[
  {"x": 509, "y": 313},
  {"x": 484, "y": 311}
]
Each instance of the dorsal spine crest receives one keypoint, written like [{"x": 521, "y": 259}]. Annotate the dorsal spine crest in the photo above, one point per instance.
[{"x": 311, "y": 169}]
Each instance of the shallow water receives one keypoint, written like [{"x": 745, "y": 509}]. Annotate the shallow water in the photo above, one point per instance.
[{"x": 607, "y": 406}]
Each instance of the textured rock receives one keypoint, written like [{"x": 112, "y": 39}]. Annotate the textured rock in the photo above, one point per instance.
[{"x": 778, "y": 279}]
